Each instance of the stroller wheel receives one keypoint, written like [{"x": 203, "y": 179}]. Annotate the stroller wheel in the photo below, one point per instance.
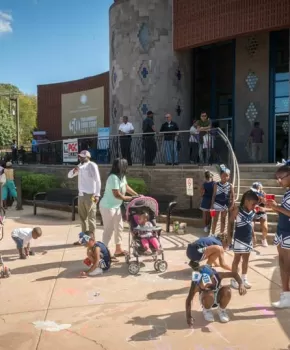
[
  {"x": 162, "y": 266},
  {"x": 156, "y": 264},
  {"x": 133, "y": 268}
]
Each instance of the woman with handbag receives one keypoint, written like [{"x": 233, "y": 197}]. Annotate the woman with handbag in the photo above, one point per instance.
[{"x": 111, "y": 202}]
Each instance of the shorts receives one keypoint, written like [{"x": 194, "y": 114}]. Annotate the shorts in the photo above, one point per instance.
[
  {"x": 193, "y": 253},
  {"x": 282, "y": 238},
  {"x": 242, "y": 247},
  {"x": 18, "y": 241},
  {"x": 261, "y": 215},
  {"x": 215, "y": 294}
]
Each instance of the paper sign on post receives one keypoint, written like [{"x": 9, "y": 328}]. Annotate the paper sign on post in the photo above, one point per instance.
[
  {"x": 70, "y": 151},
  {"x": 189, "y": 187}
]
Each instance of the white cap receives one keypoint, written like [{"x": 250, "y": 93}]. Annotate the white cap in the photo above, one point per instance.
[{"x": 85, "y": 154}]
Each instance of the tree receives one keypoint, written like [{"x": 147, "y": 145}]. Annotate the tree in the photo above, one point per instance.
[
  {"x": 27, "y": 112},
  {"x": 7, "y": 129}
]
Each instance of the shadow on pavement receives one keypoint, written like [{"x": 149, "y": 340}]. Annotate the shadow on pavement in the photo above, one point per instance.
[
  {"x": 43, "y": 220},
  {"x": 159, "y": 324},
  {"x": 166, "y": 294}
]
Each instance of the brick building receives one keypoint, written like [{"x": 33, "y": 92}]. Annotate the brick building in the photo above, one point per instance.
[{"x": 227, "y": 57}]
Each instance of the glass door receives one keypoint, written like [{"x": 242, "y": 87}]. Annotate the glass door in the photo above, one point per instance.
[{"x": 281, "y": 137}]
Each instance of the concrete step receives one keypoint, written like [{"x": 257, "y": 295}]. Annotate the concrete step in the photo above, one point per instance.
[
  {"x": 269, "y": 168},
  {"x": 257, "y": 175},
  {"x": 269, "y": 190},
  {"x": 272, "y": 227},
  {"x": 265, "y": 182}
]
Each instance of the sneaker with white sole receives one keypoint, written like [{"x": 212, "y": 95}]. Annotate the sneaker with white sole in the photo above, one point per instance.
[
  {"x": 264, "y": 243},
  {"x": 284, "y": 301},
  {"x": 234, "y": 284},
  {"x": 224, "y": 317},
  {"x": 96, "y": 272},
  {"x": 208, "y": 315},
  {"x": 247, "y": 284}
]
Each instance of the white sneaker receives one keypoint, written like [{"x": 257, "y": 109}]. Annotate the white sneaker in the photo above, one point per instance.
[
  {"x": 234, "y": 284},
  {"x": 224, "y": 317},
  {"x": 205, "y": 229},
  {"x": 284, "y": 301},
  {"x": 247, "y": 284},
  {"x": 208, "y": 315},
  {"x": 96, "y": 272},
  {"x": 264, "y": 243}
]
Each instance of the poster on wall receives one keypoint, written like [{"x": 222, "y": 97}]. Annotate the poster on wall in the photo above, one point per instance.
[
  {"x": 82, "y": 113},
  {"x": 103, "y": 138},
  {"x": 70, "y": 151}
]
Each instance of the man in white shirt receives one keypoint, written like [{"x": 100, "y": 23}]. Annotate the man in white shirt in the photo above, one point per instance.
[
  {"x": 89, "y": 186},
  {"x": 126, "y": 129}
]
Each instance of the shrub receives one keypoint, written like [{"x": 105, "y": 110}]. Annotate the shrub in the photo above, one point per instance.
[
  {"x": 138, "y": 185},
  {"x": 34, "y": 183}
]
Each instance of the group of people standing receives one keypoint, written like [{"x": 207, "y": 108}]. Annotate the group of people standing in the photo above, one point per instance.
[
  {"x": 116, "y": 191},
  {"x": 241, "y": 239}
]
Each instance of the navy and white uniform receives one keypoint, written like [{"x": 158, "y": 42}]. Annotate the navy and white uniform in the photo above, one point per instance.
[
  {"x": 222, "y": 197},
  {"x": 207, "y": 196},
  {"x": 282, "y": 237},
  {"x": 105, "y": 262},
  {"x": 195, "y": 250},
  {"x": 243, "y": 236}
]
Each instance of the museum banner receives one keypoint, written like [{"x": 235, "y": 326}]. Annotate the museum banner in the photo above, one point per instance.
[{"x": 82, "y": 113}]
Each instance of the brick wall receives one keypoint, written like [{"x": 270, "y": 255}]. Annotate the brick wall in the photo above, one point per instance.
[
  {"x": 165, "y": 181},
  {"x": 199, "y": 22},
  {"x": 49, "y": 102}
]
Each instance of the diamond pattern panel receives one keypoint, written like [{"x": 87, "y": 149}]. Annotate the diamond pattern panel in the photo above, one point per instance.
[
  {"x": 251, "y": 113},
  {"x": 252, "y": 80},
  {"x": 285, "y": 127},
  {"x": 143, "y": 72},
  {"x": 143, "y": 108},
  {"x": 144, "y": 37},
  {"x": 252, "y": 46}
]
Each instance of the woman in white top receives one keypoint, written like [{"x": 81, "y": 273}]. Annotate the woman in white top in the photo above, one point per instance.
[
  {"x": 126, "y": 129},
  {"x": 193, "y": 144}
]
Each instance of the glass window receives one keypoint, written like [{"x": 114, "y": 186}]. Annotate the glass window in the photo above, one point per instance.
[
  {"x": 282, "y": 88},
  {"x": 281, "y": 105},
  {"x": 282, "y": 76}
]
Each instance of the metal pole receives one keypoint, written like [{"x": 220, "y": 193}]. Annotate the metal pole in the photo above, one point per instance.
[{"x": 17, "y": 124}]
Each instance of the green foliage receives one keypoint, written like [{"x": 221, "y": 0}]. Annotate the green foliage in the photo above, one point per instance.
[
  {"x": 34, "y": 183},
  {"x": 7, "y": 129},
  {"x": 27, "y": 113},
  {"x": 138, "y": 185}
]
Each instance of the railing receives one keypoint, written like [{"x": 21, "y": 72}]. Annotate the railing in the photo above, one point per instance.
[{"x": 211, "y": 147}]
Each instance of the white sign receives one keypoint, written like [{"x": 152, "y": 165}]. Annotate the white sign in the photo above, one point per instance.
[
  {"x": 103, "y": 138},
  {"x": 189, "y": 187},
  {"x": 70, "y": 151}
]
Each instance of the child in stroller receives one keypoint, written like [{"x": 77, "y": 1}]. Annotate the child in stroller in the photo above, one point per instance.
[{"x": 144, "y": 238}]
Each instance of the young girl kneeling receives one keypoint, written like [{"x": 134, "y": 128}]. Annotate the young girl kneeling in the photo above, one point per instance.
[
  {"x": 244, "y": 233},
  {"x": 98, "y": 256}
]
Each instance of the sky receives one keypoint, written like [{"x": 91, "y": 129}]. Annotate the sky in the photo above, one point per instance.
[{"x": 50, "y": 41}]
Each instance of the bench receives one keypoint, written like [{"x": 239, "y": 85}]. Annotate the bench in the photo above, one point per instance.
[{"x": 57, "y": 198}]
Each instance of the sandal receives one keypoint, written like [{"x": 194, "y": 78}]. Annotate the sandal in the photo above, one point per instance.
[{"x": 123, "y": 253}]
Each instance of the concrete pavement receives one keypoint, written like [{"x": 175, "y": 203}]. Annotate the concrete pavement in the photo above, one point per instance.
[{"x": 119, "y": 311}]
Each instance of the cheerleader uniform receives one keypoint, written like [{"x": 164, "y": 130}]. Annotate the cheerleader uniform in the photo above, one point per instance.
[
  {"x": 282, "y": 237},
  {"x": 207, "y": 196},
  {"x": 105, "y": 261},
  {"x": 195, "y": 250},
  {"x": 243, "y": 236},
  {"x": 222, "y": 198}
]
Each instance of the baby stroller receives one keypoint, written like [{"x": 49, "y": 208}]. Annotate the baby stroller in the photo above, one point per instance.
[
  {"x": 4, "y": 270},
  {"x": 134, "y": 208}
]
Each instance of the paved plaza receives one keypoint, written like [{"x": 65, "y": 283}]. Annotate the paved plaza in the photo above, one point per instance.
[{"x": 119, "y": 311}]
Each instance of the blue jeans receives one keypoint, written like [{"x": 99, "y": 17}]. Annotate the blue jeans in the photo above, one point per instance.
[
  {"x": 171, "y": 151},
  {"x": 18, "y": 241}
]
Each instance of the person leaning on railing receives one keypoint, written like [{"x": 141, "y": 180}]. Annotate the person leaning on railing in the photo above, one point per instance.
[
  {"x": 203, "y": 127},
  {"x": 193, "y": 143}
]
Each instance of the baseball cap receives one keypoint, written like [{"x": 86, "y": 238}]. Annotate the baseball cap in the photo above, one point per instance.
[
  {"x": 85, "y": 154},
  {"x": 84, "y": 239},
  {"x": 149, "y": 113}
]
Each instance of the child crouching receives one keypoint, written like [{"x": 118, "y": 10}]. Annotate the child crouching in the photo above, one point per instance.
[
  {"x": 98, "y": 256},
  {"x": 22, "y": 238}
]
